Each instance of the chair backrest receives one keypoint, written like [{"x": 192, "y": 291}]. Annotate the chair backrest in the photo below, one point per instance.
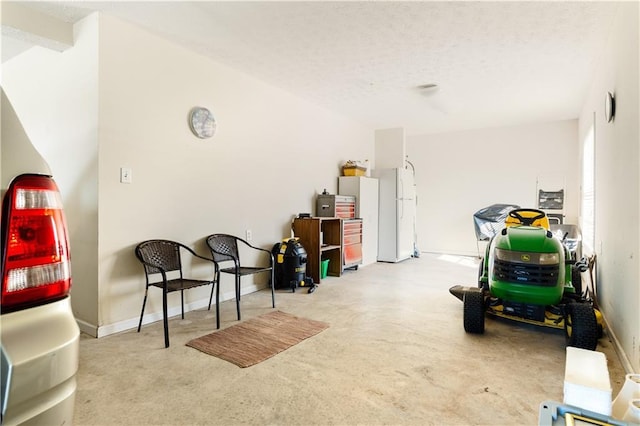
[
  {"x": 159, "y": 255},
  {"x": 224, "y": 247},
  {"x": 551, "y": 200}
]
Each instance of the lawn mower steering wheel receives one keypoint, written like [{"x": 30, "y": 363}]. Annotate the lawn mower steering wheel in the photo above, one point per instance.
[{"x": 526, "y": 221}]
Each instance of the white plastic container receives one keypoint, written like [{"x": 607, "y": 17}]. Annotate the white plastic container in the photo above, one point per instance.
[
  {"x": 633, "y": 412},
  {"x": 586, "y": 381},
  {"x": 630, "y": 390}
]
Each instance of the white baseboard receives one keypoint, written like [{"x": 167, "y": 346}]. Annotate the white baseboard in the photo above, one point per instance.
[
  {"x": 456, "y": 253},
  {"x": 87, "y": 328},
  {"x": 132, "y": 323}
]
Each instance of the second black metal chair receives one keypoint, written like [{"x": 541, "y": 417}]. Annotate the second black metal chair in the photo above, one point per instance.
[
  {"x": 224, "y": 248},
  {"x": 163, "y": 257}
]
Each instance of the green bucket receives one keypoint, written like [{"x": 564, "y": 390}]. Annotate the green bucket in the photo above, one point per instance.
[{"x": 324, "y": 268}]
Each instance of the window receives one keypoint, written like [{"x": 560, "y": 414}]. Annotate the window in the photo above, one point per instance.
[{"x": 587, "y": 209}]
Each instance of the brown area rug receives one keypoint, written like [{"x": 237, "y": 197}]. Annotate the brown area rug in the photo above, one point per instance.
[{"x": 259, "y": 338}]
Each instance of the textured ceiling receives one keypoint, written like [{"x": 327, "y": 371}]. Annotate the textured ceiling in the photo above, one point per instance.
[{"x": 496, "y": 63}]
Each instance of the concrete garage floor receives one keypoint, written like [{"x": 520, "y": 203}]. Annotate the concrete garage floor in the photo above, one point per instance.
[{"x": 395, "y": 353}]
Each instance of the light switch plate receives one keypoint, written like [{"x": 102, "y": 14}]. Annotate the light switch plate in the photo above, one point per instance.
[{"x": 125, "y": 175}]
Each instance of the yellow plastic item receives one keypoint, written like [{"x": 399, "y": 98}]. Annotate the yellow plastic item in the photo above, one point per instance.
[
  {"x": 543, "y": 222},
  {"x": 353, "y": 171}
]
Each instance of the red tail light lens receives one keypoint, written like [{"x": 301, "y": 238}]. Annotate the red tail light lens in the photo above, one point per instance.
[{"x": 35, "y": 252}]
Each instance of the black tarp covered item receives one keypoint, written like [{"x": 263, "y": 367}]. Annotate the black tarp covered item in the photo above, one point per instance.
[{"x": 490, "y": 220}]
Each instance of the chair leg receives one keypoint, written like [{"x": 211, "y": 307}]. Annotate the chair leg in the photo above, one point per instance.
[
  {"x": 273, "y": 294},
  {"x": 211, "y": 297},
  {"x": 238, "y": 295},
  {"x": 144, "y": 302},
  {"x": 182, "y": 301},
  {"x": 166, "y": 320},
  {"x": 217, "y": 300}
]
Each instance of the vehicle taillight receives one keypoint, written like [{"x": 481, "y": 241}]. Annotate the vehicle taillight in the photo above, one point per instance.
[{"x": 35, "y": 252}]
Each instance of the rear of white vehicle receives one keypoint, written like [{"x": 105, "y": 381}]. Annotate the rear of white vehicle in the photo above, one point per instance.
[{"x": 39, "y": 336}]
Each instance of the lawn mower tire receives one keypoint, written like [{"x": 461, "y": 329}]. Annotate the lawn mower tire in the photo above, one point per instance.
[
  {"x": 581, "y": 326},
  {"x": 474, "y": 309}
]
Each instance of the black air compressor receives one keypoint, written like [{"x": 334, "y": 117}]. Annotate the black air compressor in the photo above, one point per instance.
[{"x": 290, "y": 269}]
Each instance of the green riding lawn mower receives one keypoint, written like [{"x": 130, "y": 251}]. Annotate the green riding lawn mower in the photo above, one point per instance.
[{"x": 530, "y": 274}]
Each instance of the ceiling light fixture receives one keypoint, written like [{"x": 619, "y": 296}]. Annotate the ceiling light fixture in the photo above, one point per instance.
[
  {"x": 428, "y": 86},
  {"x": 428, "y": 89}
]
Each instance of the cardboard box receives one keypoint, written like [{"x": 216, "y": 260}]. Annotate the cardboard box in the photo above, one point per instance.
[{"x": 353, "y": 171}]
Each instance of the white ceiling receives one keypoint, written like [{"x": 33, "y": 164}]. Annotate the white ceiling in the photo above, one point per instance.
[{"x": 496, "y": 63}]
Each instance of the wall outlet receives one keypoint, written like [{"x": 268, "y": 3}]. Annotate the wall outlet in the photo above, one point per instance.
[{"x": 249, "y": 234}]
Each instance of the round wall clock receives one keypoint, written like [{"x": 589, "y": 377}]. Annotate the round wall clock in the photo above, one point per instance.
[
  {"x": 610, "y": 107},
  {"x": 202, "y": 122}
]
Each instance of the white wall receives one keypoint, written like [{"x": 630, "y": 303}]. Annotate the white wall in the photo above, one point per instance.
[
  {"x": 618, "y": 183},
  {"x": 459, "y": 173},
  {"x": 120, "y": 97},
  {"x": 391, "y": 148},
  {"x": 272, "y": 153},
  {"x": 56, "y": 97}
]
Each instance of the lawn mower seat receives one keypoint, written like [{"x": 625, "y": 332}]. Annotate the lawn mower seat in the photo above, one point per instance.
[{"x": 527, "y": 217}]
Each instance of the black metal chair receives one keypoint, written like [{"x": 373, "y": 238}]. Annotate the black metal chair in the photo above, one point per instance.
[
  {"x": 224, "y": 248},
  {"x": 163, "y": 257}
]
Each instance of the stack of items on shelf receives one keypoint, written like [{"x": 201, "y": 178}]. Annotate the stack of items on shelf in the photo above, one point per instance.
[
  {"x": 344, "y": 207},
  {"x": 355, "y": 168}
]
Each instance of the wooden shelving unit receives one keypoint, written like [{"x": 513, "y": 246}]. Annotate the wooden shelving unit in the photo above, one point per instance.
[{"x": 321, "y": 238}]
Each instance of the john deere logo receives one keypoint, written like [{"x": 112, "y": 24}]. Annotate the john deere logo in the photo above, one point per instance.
[{"x": 525, "y": 257}]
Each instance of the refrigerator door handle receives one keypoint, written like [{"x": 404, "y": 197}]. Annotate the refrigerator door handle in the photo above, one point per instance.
[{"x": 401, "y": 200}]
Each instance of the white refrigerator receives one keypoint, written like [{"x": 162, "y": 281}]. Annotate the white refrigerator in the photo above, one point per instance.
[{"x": 396, "y": 214}]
